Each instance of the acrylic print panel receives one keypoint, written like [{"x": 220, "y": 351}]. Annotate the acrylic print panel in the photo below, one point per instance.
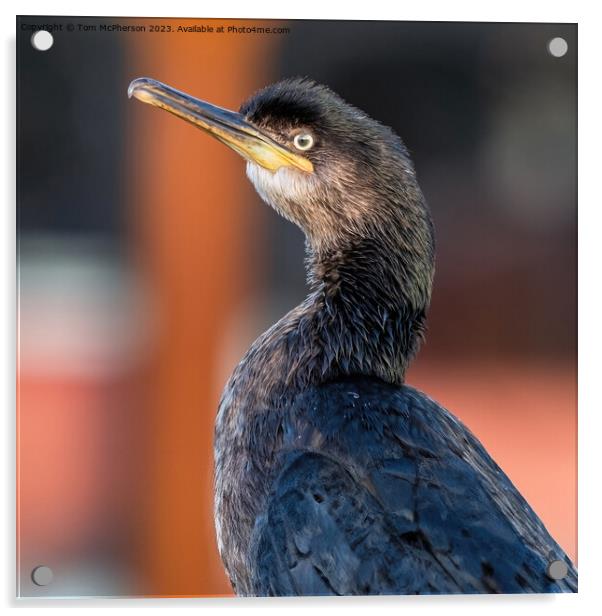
[{"x": 149, "y": 263}]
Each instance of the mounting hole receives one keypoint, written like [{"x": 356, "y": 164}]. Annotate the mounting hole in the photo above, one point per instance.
[
  {"x": 42, "y": 575},
  {"x": 558, "y": 47},
  {"x": 42, "y": 40},
  {"x": 557, "y": 570}
]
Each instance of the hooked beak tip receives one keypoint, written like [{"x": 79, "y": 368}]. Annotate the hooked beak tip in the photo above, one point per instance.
[{"x": 137, "y": 86}]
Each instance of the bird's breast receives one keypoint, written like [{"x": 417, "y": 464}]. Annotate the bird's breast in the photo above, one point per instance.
[{"x": 246, "y": 445}]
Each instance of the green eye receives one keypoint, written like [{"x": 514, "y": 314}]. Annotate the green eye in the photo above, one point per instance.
[{"x": 303, "y": 141}]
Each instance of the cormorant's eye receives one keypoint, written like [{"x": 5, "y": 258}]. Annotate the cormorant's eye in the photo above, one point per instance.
[{"x": 303, "y": 141}]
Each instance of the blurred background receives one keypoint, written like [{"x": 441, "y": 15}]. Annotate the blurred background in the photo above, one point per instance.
[{"x": 147, "y": 265}]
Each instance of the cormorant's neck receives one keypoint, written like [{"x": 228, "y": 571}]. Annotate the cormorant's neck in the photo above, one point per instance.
[{"x": 369, "y": 302}]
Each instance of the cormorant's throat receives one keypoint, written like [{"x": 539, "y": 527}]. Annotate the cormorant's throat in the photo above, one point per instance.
[{"x": 368, "y": 305}]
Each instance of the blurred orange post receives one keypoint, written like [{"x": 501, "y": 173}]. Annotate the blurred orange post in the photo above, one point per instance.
[{"x": 193, "y": 222}]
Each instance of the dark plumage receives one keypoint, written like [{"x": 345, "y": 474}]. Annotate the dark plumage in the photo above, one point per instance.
[
  {"x": 331, "y": 475},
  {"x": 391, "y": 494}
]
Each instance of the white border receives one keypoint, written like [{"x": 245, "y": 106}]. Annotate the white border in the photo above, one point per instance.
[{"x": 590, "y": 309}]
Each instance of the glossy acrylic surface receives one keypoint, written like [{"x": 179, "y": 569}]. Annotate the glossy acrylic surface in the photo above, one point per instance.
[{"x": 148, "y": 265}]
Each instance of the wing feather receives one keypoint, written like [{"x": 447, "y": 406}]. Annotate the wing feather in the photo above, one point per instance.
[{"x": 385, "y": 492}]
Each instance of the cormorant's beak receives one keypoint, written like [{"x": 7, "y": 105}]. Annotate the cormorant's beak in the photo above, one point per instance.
[{"x": 227, "y": 126}]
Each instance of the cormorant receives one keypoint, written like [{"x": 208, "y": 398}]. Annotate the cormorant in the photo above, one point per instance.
[{"x": 332, "y": 476}]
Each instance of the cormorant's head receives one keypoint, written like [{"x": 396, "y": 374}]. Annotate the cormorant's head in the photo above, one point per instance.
[{"x": 316, "y": 159}]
